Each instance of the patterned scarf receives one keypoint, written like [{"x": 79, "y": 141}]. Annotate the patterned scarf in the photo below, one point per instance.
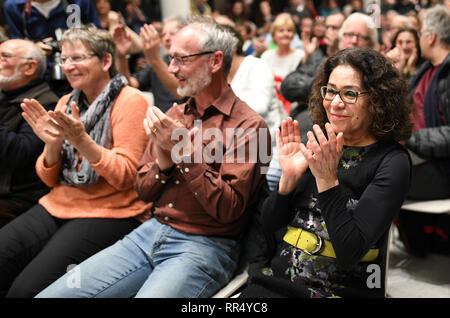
[{"x": 97, "y": 123}]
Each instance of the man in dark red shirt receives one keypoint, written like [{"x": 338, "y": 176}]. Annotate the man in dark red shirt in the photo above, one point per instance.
[{"x": 200, "y": 185}]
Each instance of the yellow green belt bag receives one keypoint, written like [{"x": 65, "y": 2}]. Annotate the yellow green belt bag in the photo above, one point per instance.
[{"x": 313, "y": 244}]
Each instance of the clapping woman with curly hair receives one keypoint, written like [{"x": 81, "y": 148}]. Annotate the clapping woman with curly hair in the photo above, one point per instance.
[{"x": 342, "y": 187}]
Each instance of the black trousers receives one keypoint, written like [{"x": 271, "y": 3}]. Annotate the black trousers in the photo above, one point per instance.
[
  {"x": 37, "y": 248},
  {"x": 9, "y": 209}
]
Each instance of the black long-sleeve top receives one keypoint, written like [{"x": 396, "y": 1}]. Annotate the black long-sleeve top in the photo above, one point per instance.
[{"x": 354, "y": 216}]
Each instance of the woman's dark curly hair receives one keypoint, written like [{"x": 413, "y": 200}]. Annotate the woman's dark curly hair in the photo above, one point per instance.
[{"x": 388, "y": 101}]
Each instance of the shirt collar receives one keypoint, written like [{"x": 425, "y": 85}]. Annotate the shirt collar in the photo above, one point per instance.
[{"x": 224, "y": 104}]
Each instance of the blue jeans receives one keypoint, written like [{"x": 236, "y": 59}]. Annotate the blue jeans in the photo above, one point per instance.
[{"x": 154, "y": 260}]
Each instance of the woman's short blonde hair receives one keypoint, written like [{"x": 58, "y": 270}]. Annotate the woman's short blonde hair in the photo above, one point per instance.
[
  {"x": 99, "y": 41},
  {"x": 283, "y": 19}
]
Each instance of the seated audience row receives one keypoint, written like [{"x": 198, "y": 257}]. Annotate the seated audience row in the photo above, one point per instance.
[
  {"x": 94, "y": 140},
  {"x": 90, "y": 158},
  {"x": 199, "y": 207}
]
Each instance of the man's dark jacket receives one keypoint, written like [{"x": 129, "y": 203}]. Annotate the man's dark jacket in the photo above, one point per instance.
[
  {"x": 19, "y": 146},
  {"x": 434, "y": 142}
]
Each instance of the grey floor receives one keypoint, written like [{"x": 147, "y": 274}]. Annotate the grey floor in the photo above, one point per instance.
[{"x": 413, "y": 277}]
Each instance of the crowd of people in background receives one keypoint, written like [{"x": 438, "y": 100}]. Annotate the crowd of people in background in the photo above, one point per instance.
[
  {"x": 287, "y": 62},
  {"x": 254, "y": 19}
]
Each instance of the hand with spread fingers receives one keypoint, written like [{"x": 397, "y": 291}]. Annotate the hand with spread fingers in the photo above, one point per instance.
[
  {"x": 292, "y": 161},
  {"x": 41, "y": 122},
  {"x": 323, "y": 156},
  {"x": 151, "y": 41},
  {"x": 69, "y": 128},
  {"x": 122, "y": 39},
  {"x": 309, "y": 45},
  {"x": 411, "y": 62}
]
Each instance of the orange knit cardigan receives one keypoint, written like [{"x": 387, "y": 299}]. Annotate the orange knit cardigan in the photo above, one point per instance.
[{"x": 113, "y": 196}]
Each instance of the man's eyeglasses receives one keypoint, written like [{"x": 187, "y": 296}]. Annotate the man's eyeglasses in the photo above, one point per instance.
[
  {"x": 180, "y": 60},
  {"x": 8, "y": 56},
  {"x": 334, "y": 27},
  {"x": 350, "y": 35},
  {"x": 75, "y": 59},
  {"x": 349, "y": 96}
]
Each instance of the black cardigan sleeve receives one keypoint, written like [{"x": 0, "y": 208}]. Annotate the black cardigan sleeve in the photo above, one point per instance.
[
  {"x": 275, "y": 210},
  {"x": 354, "y": 232}
]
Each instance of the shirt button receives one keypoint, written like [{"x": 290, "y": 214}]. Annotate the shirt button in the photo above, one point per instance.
[
  {"x": 186, "y": 169},
  {"x": 170, "y": 205},
  {"x": 195, "y": 193},
  {"x": 163, "y": 181},
  {"x": 177, "y": 181},
  {"x": 166, "y": 218},
  {"x": 157, "y": 176}
]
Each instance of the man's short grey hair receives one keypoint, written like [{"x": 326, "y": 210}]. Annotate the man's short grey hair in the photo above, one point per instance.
[
  {"x": 214, "y": 37},
  {"x": 437, "y": 19},
  {"x": 358, "y": 16},
  {"x": 36, "y": 54},
  {"x": 176, "y": 19}
]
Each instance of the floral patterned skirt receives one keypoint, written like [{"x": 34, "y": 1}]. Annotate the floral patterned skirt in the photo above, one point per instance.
[{"x": 295, "y": 274}]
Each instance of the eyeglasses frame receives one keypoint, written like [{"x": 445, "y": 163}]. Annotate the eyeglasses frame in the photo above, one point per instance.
[
  {"x": 358, "y": 36},
  {"x": 182, "y": 58},
  {"x": 10, "y": 56},
  {"x": 70, "y": 59},
  {"x": 324, "y": 88}
]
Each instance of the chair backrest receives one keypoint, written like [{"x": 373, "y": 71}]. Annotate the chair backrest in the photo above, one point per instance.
[
  {"x": 428, "y": 206},
  {"x": 384, "y": 259}
]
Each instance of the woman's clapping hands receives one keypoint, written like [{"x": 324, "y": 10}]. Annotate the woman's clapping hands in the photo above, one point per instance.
[{"x": 321, "y": 154}]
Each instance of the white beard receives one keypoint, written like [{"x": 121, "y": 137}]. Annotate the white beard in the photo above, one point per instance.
[
  {"x": 6, "y": 81},
  {"x": 196, "y": 83}
]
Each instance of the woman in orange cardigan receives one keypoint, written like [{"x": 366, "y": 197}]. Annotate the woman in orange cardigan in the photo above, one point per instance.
[{"x": 94, "y": 140}]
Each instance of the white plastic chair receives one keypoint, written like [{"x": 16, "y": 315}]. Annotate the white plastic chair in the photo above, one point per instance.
[
  {"x": 428, "y": 206},
  {"x": 239, "y": 280},
  {"x": 386, "y": 254}
]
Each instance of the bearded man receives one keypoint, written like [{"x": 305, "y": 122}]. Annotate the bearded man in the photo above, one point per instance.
[
  {"x": 190, "y": 246},
  {"x": 22, "y": 66}
]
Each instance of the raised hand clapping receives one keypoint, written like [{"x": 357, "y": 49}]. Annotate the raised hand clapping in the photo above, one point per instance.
[
  {"x": 292, "y": 161},
  {"x": 323, "y": 156}
]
